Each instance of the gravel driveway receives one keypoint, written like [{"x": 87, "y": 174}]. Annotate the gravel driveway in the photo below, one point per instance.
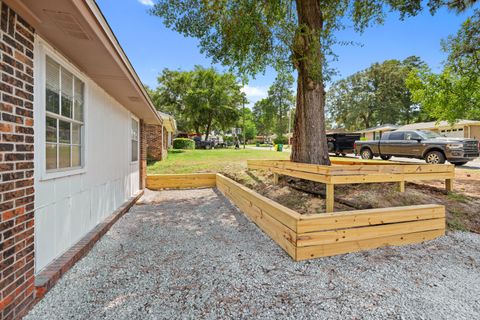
[{"x": 191, "y": 255}]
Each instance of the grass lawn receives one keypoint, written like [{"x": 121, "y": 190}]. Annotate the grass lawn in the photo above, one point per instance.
[{"x": 217, "y": 160}]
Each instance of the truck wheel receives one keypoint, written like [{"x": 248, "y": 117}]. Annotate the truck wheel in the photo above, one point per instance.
[
  {"x": 386, "y": 157},
  {"x": 366, "y": 154},
  {"x": 435, "y": 157},
  {"x": 459, "y": 163}
]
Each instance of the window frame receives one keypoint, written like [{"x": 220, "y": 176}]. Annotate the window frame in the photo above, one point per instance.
[
  {"x": 42, "y": 50},
  {"x": 137, "y": 120},
  {"x": 393, "y": 133}
]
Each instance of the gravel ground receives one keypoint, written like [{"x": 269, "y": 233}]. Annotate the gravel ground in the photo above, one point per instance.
[{"x": 191, "y": 255}]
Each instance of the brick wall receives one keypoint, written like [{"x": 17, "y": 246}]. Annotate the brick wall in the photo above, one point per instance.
[
  {"x": 143, "y": 154},
  {"x": 154, "y": 141},
  {"x": 16, "y": 165}
]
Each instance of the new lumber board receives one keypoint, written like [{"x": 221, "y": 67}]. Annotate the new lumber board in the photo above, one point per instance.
[
  {"x": 325, "y": 250},
  {"x": 278, "y": 232},
  {"x": 283, "y": 214},
  {"x": 362, "y": 233},
  {"x": 368, "y": 217},
  {"x": 181, "y": 181}
]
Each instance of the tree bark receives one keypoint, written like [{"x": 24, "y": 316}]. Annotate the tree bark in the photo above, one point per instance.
[
  {"x": 208, "y": 129},
  {"x": 309, "y": 135}
]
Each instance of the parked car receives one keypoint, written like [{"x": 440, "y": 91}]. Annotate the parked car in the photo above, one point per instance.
[
  {"x": 342, "y": 143},
  {"x": 204, "y": 144},
  {"x": 427, "y": 145}
]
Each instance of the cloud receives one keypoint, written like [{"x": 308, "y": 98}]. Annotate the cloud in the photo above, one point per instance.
[
  {"x": 254, "y": 93},
  {"x": 146, "y": 2}
]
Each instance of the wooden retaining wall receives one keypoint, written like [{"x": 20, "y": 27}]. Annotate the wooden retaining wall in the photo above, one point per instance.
[
  {"x": 181, "y": 181},
  {"x": 311, "y": 236}
]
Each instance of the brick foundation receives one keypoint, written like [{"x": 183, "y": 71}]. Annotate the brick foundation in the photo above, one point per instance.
[
  {"x": 16, "y": 165},
  {"x": 49, "y": 276}
]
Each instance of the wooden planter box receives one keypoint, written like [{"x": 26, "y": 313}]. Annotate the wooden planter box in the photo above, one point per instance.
[
  {"x": 318, "y": 235},
  {"x": 351, "y": 172}
]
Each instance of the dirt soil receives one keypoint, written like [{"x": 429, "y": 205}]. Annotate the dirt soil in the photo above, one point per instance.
[{"x": 306, "y": 197}]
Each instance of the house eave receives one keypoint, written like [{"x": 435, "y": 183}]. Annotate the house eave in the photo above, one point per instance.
[{"x": 99, "y": 54}]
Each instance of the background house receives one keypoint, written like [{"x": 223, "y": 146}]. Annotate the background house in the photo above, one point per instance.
[
  {"x": 374, "y": 133},
  {"x": 160, "y": 136},
  {"x": 73, "y": 147},
  {"x": 460, "y": 129}
]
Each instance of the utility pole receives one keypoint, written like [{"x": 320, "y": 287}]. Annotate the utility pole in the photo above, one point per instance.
[{"x": 243, "y": 116}]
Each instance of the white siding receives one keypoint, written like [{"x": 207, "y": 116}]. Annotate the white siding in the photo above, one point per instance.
[{"x": 69, "y": 207}]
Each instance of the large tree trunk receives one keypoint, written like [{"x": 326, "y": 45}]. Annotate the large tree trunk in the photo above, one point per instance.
[{"x": 309, "y": 136}]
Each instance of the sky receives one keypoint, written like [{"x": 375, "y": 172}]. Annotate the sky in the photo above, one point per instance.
[{"x": 151, "y": 47}]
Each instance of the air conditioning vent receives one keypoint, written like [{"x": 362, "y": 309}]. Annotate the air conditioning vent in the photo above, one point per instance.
[{"x": 68, "y": 24}]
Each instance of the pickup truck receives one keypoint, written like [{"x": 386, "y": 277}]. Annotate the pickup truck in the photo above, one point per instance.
[{"x": 427, "y": 145}]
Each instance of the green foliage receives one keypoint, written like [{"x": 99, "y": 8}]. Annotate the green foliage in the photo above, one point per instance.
[
  {"x": 247, "y": 119},
  {"x": 264, "y": 113},
  {"x": 201, "y": 100},
  {"x": 281, "y": 97},
  {"x": 280, "y": 140},
  {"x": 183, "y": 143},
  {"x": 248, "y": 36},
  {"x": 454, "y": 93},
  {"x": 374, "y": 96},
  {"x": 271, "y": 113}
]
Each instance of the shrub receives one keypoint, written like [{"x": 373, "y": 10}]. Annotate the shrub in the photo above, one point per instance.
[
  {"x": 183, "y": 143},
  {"x": 280, "y": 140}
]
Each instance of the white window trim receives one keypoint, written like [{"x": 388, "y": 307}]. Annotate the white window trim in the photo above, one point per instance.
[
  {"x": 42, "y": 49},
  {"x": 130, "y": 140}
]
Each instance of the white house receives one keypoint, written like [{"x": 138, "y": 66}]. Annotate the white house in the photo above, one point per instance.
[{"x": 72, "y": 149}]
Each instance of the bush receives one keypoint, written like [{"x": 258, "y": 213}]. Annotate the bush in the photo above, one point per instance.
[
  {"x": 280, "y": 140},
  {"x": 183, "y": 143}
]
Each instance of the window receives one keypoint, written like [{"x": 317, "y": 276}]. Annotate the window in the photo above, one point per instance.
[
  {"x": 396, "y": 136},
  {"x": 134, "y": 140},
  {"x": 64, "y": 123},
  {"x": 412, "y": 136}
]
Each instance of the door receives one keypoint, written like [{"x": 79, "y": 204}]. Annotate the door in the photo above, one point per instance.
[
  {"x": 412, "y": 145},
  {"x": 393, "y": 145}
]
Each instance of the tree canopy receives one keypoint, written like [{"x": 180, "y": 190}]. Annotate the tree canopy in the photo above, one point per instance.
[
  {"x": 271, "y": 113},
  {"x": 455, "y": 92},
  {"x": 374, "y": 96},
  {"x": 201, "y": 100},
  {"x": 250, "y": 35}
]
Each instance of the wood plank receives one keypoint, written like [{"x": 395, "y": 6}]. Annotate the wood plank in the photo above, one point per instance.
[
  {"x": 330, "y": 198},
  {"x": 369, "y": 217},
  {"x": 283, "y": 214},
  {"x": 282, "y": 235},
  {"x": 355, "y": 234},
  {"x": 324, "y": 250},
  {"x": 376, "y": 178},
  {"x": 302, "y": 175},
  {"x": 449, "y": 185},
  {"x": 181, "y": 181}
]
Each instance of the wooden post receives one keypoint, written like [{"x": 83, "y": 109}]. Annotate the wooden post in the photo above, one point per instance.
[
  {"x": 329, "y": 198},
  {"x": 449, "y": 185},
  {"x": 275, "y": 178},
  {"x": 401, "y": 186}
]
